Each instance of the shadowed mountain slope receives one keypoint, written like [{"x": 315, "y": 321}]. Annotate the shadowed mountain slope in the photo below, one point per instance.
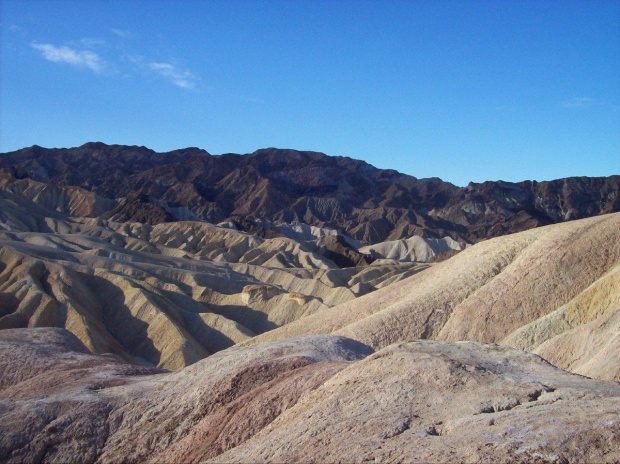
[{"x": 276, "y": 185}]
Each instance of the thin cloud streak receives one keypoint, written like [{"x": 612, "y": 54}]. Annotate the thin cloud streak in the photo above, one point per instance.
[
  {"x": 75, "y": 55},
  {"x": 182, "y": 79},
  {"x": 64, "y": 54}
]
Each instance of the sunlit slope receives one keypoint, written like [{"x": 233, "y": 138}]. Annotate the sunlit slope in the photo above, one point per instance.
[
  {"x": 583, "y": 335},
  {"x": 487, "y": 291},
  {"x": 165, "y": 295},
  {"x": 414, "y": 248}
]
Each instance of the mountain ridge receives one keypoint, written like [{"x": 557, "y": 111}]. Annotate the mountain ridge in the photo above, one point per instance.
[{"x": 284, "y": 185}]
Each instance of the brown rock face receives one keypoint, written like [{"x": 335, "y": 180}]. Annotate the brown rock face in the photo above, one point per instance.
[
  {"x": 370, "y": 204},
  {"x": 139, "y": 208},
  {"x": 335, "y": 248}
]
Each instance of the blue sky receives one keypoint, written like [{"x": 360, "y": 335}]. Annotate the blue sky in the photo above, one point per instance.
[{"x": 465, "y": 91}]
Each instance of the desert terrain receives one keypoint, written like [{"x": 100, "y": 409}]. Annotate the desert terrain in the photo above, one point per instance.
[{"x": 288, "y": 306}]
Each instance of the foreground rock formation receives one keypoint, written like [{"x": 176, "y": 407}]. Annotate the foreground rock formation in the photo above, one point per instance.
[{"x": 312, "y": 399}]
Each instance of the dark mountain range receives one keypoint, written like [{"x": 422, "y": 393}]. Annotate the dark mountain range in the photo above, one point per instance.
[{"x": 277, "y": 185}]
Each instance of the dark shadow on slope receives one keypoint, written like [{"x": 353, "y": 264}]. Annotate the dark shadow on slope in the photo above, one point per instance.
[
  {"x": 185, "y": 311},
  {"x": 116, "y": 316},
  {"x": 256, "y": 321},
  {"x": 8, "y": 304},
  {"x": 40, "y": 311}
]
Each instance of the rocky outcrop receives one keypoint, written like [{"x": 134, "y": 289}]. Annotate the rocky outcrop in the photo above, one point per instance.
[
  {"x": 310, "y": 399},
  {"x": 412, "y": 249}
]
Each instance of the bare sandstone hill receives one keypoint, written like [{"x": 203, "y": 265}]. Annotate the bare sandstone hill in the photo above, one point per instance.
[
  {"x": 414, "y": 248},
  {"x": 520, "y": 290},
  {"x": 171, "y": 294},
  {"x": 164, "y": 295}
]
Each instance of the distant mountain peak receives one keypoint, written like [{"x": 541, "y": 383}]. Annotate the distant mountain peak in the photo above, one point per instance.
[{"x": 285, "y": 185}]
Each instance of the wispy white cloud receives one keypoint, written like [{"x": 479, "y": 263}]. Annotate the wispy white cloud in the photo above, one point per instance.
[
  {"x": 252, "y": 100},
  {"x": 81, "y": 54},
  {"x": 580, "y": 102},
  {"x": 182, "y": 79},
  {"x": 123, "y": 34},
  {"x": 64, "y": 54}
]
